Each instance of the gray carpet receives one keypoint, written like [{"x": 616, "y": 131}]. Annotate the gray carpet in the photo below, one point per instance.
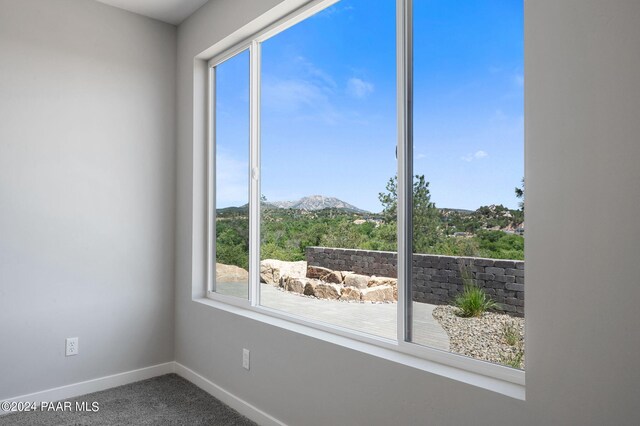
[{"x": 164, "y": 400}]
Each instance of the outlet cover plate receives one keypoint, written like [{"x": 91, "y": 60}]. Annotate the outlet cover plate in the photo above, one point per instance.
[
  {"x": 245, "y": 359},
  {"x": 71, "y": 346}
]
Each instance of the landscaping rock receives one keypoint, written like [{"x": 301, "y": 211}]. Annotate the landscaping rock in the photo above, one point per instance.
[
  {"x": 293, "y": 284},
  {"x": 345, "y": 273},
  {"x": 350, "y": 293},
  {"x": 378, "y": 281},
  {"x": 356, "y": 280},
  {"x": 324, "y": 290},
  {"x": 324, "y": 274},
  {"x": 271, "y": 270},
  {"x": 383, "y": 293},
  {"x": 310, "y": 288},
  {"x": 231, "y": 274},
  {"x": 483, "y": 337}
]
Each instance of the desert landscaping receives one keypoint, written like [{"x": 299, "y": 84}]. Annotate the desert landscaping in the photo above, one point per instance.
[{"x": 491, "y": 336}]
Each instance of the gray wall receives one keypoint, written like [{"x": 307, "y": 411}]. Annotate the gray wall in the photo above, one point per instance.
[
  {"x": 436, "y": 279},
  {"x": 583, "y": 192},
  {"x": 87, "y": 192},
  {"x": 365, "y": 262}
]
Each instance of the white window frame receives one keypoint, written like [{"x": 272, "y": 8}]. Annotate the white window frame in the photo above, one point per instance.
[{"x": 499, "y": 378}]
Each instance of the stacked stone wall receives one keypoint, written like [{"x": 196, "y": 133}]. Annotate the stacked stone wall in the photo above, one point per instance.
[{"x": 436, "y": 279}]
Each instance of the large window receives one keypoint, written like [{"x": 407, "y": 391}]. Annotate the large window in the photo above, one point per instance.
[{"x": 367, "y": 176}]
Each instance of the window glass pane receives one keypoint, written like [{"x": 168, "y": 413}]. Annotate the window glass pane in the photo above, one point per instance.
[
  {"x": 232, "y": 176},
  {"x": 328, "y": 137},
  {"x": 468, "y": 161}
]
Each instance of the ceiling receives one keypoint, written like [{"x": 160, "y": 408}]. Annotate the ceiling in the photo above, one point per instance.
[{"x": 170, "y": 11}]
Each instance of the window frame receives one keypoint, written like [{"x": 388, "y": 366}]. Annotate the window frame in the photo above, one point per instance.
[
  {"x": 404, "y": 99},
  {"x": 211, "y": 171}
]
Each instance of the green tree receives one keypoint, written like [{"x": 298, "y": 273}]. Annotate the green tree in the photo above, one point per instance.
[
  {"x": 389, "y": 201},
  {"x": 520, "y": 194},
  {"x": 426, "y": 219}
]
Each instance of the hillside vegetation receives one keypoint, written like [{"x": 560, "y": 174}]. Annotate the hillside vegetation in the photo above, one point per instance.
[{"x": 286, "y": 232}]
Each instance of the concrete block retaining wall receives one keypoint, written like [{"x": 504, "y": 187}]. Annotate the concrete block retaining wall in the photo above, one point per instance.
[{"x": 436, "y": 279}]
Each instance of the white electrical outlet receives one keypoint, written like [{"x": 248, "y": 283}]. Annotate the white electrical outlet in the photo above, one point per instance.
[
  {"x": 71, "y": 346},
  {"x": 245, "y": 358}
]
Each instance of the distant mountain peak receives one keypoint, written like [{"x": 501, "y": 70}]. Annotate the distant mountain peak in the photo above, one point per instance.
[{"x": 316, "y": 202}]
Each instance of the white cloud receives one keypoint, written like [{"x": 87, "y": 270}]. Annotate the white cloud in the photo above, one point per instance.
[
  {"x": 478, "y": 155},
  {"x": 307, "y": 95},
  {"x": 301, "y": 99},
  {"x": 316, "y": 73},
  {"x": 293, "y": 94},
  {"x": 333, "y": 10},
  {"x": 358, "y": 88},
  {"x": 310, "y": 94},
  {"x": 420, "y": 156}
]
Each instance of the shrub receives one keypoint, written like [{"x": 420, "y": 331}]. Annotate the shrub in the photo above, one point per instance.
[
  {"x": 457, "y": 246},
  {"x": 511, "y": 334},
  {"x": 515, "y": 361},
  {"x": 473, "y": 301}
]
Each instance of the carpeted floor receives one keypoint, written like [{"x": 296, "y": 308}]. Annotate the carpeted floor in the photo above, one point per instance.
[{"x": 164, "y": 400}]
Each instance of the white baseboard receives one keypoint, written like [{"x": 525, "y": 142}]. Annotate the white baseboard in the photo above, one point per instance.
[
  {"x": 238, "y": 404},
  {"x": 95, "y": 385}
]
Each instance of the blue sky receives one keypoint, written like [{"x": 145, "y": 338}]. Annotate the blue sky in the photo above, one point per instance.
[{"x": 328, "y": 105}]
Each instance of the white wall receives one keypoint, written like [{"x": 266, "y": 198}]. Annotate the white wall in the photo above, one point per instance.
[
  {"x": 87, "y": 192},
  {"x": 583, "y": 239}
]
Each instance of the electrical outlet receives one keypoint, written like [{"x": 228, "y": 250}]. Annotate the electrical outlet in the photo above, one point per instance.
[
  {"x": 71, "y": 346},
  {"x": 245, "y": 358}
]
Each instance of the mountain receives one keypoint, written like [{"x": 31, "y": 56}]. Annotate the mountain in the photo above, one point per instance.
[
  {"x": 445, "y": 211},
  {"x": 281, "y": 204},
  {"x": 319, "y": 202},
  {"x": 310, "y": 203}
]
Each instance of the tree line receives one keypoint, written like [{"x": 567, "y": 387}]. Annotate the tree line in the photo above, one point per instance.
[{"x": 285, "y": 233}]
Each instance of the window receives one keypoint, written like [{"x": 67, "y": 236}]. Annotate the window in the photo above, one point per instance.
[
  {"x": 468, "y": 159},
  {"x": 229, "y": 221},
  {"x": 327, "y": 145},
  {"x": 365, "y": 177}
]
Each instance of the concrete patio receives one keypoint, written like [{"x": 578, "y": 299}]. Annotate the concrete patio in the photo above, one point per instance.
[{"x": 378, "y": 319}]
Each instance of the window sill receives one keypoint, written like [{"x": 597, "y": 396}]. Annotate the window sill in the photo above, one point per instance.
[{"x": 422, "y": 358}]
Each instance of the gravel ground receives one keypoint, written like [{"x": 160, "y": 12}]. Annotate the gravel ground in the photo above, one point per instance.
[{"x": 483, "y": 337}]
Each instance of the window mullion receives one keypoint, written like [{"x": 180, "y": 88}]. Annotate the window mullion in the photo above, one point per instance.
[
  {"x": 254, "y": 170},
  {"x": 405, "y": 162}
]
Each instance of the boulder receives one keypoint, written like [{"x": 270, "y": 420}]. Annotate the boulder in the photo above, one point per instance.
[
  {"x": 271, "y": 270},
  {"x": 231, "y": 274},
  {"x": 324, "y": 274},
  {"x": 356, "y": 280},
  {"x": 350, "y": 293},
  {"x": 310, "y": 288},
  {"x": 317, "y": 271},
  {"x": 324, "y": 290},
  {"x": 293, "y": 284},
  {"x": 377, "y": 281},
  {"x": 382, "y": 293}
]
